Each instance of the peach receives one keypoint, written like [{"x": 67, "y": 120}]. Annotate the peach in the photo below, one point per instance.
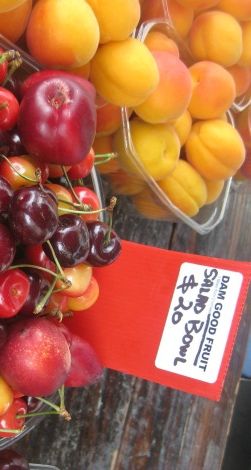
[
  {"x": 125, "y": 184},
  {"x": 215, "y": 149},
  {"x": 245, "y": 58},
  {"x": 172, "y": 95},
  {"x": 13, "y": 22},
  {"x": 216, "y": 36},
  {"x": 108, "y": 119},
  {"x": 124, "y": 72},
  {"x": 213, "y": 90},
  {"x": 157, "y": 148},
  {"x": 242, "y": 78},
  {"x": 147, "y": 205},
  {"x": 181, "y": 16},
  {"x": 214, "y": 190},
  {"x": 116, "y": 20},
  {"x": 185, "y": 188},
  {"x": 55, "y": 30},
  {"x": 182, "y": 126},
  {"x": 103, "y": 145},
  {"x": 199, "y": 4},
  {"x": 240, "y": 9},
  {"x": 158, "y": 41}
]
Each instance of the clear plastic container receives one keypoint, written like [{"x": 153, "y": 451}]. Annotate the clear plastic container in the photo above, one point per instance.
[{"x": 209, "y": 216}]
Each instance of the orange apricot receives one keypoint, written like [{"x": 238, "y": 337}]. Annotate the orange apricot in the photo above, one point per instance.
[
  {"x": 213, "y": 90},
  {"x": 13, "y": 22},
  {"x": 62, "y": 34}
]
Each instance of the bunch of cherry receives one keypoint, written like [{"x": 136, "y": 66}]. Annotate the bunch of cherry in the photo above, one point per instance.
[{"x": 51, "y": 237}]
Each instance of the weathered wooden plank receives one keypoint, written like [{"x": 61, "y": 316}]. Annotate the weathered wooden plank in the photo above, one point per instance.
[{"x": 125, "y": 423}]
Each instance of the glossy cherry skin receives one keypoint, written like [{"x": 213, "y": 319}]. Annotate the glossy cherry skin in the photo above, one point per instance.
[
  {"x": 104, "y": 247},
  {"x": 7, "y": 247},
  {"x": 10, "y": 459},
  {"x": 9, "y": 421},
  {"x": 83, "y": 168},
  {"x": 9, "y": 109},
  {"x": 14, "y": 291},
  {"x": 70, "y": 241},
  {"x": 89, "y": 197},
  {"x": 33, "y": 215},
  {"x": 57, "y": 120},
  {"x": 38, "y": 288},
  {"x": 10, "y": 143},
  {"x": 6, "y": 193}
]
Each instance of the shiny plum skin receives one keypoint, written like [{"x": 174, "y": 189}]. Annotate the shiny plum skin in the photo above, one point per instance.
[{"x": 57, "y": 121}]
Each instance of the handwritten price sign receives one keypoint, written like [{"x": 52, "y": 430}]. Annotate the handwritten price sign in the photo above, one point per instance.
[
  {"x": 198, "y": 321},
  {"x": 167, "y": 317}
]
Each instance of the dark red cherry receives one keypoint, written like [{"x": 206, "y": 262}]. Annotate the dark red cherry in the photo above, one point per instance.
[
  {"x": 70, "y": 241},
  {"x": 33, "y": 215},
  {"x": 38, "y": 288},
  {"x": 6, "y": 193},
  {"x": 7, "y": 247},
  {"x": 105, "y": 245},
  {"x": 10, "y": 459}
]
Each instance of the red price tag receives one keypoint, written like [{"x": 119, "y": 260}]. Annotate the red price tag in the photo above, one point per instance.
[{"x": 168, "y": 317}]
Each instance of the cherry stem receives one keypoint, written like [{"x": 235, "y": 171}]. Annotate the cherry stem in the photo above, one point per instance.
[
  {"x": 13, "y": 431},
  {"x": 75, "y": 204},
  {"x": 110, "y": 209},
  {"x": 17, "y": 266},
  {"x": 27, "y": 178},
  {"x": 56, "y": 260},
  {"x": 47, "y": 295},
  {"x": 105, "y": 157},
  {"x": 70, "y": 184}
]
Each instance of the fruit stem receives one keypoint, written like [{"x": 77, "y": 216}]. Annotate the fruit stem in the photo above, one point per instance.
[
  {"x": 17, "y": 266},
  {"x": 56, "y": 260},
  {"x": 13, "y": 431},
  {"x": 37, "y": 413},
  {"x": 70, "y": 184},
  {"x": 75, "y": 204},
  {"x": 110, "y": 208},
  {"x": 15, "y": 60},
  {"x": 105, "y": 157},
  {"x": 44, "y": 299},
  {"x": 27, "y": 178}
]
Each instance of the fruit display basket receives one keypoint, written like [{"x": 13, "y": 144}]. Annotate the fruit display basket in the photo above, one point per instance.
[
  {"x": 92, "y": 181},
  {"x": 153, "y": 201}
]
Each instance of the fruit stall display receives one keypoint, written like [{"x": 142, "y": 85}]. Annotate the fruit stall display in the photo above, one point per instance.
[
  {"x": 54, "y": 231},
  {"x": 153, "y": 94}
]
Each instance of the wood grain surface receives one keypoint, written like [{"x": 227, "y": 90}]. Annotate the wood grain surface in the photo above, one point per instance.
[{"x": 124, "y": 423}]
